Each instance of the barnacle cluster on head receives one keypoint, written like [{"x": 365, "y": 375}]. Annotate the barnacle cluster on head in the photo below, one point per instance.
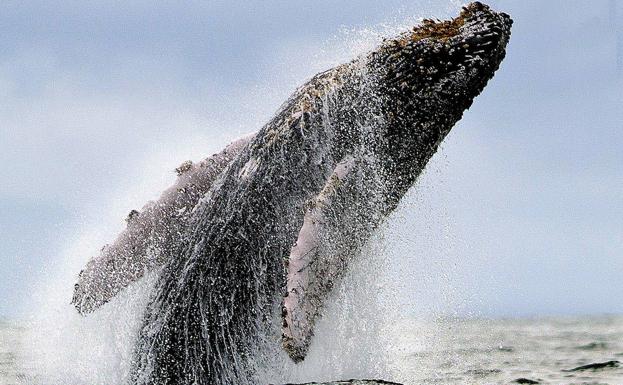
[
  {"x": 434, "y": 51},
  {"x": 446, "y": 29},
  {"x": 438, "y": 30}
]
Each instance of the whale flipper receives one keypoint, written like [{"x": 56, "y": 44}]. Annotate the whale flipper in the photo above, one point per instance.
[
  {"x": 153, "y": 235},
  {"x": 337, "y": 223}
]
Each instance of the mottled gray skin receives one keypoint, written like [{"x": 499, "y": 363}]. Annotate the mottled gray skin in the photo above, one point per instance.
[
  {"x": 153, "y": 235},
  {"x": 215, "y": 311}
]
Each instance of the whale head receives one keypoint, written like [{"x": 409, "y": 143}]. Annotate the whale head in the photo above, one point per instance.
[
  {"x": 395, "y": 105},
  {"x": 428, "y": 77}
]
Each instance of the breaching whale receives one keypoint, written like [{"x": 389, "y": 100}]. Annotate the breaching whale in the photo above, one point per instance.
[{"x": 257, "y": 255}]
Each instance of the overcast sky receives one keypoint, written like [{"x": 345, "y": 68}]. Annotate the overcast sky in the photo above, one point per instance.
[{"x": 521, "y": 213}]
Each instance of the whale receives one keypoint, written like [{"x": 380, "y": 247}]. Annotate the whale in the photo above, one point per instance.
[{"x": 257, "y": 254}]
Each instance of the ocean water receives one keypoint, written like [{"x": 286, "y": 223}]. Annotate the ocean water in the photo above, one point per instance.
[
  {"x": 445, "y": 351},
  {"x": 502, "y": 351}
]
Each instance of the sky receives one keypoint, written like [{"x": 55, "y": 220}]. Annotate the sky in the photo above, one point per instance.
[{"x": 520, "y": 214}]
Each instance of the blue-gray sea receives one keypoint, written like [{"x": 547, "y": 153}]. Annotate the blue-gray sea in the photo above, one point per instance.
[{"x": 441, "y": 351}]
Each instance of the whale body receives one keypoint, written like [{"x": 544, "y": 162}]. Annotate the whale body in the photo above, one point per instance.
[{"x": 256, "y": 257}]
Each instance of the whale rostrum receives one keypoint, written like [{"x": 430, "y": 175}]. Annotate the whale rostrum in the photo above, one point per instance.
[{"x": 257, "y": 254}]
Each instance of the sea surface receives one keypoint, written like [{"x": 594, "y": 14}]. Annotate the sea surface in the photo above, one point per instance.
[{"x": 452, "y": 351}]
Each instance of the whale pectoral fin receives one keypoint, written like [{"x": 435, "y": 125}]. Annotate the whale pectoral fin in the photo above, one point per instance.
[
  {"x": 152, "y": 236},
  {"x": 336, "y": 225},
  {"x": 299, "y": 311},
  {"x": 316, "y": 260}
]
